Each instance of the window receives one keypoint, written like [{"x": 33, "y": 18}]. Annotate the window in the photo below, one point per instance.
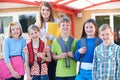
[
  {"x": 4, "y": 22},
  {"x": 102, "y": 20},
  {"x": 113, "y": 19},
  {"x": 117, "y": 28},
  {"x": 26, "y": 20}
]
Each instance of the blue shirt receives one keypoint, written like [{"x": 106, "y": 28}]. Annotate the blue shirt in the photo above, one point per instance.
[
  {"x": 13, "y": 47},
  {"x": 106, "y": 62},
  {"x": 88, "y": 57}
]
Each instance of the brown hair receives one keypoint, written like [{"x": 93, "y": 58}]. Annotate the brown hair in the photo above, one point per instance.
[
  {"x": 13, "y": 24},
  {"x": 51, "y": 17},
  {"x": 33, "y": 27},
  {"x": 65, "y": 19},
  {"x": 94, "y": 23}
]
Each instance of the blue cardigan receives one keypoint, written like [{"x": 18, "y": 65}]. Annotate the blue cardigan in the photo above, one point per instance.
[
  {"x": 13, "y": 47},
  {"x": 88, "y": 57}
]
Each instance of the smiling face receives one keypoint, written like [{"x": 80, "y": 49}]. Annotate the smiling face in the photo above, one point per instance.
[
  {"x": 45, "y": 12},
  {"x": 34, "y": 34},
  {"x": 106, "y": 35},
  {"x": 15, "y": 31},
  {"x": 90, "y": 29},
  {"x": 65, "y": 27}
]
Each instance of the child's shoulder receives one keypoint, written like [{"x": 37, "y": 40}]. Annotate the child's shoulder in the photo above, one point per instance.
[
  {"x": 116, "y": 45},
  {"x": 22, "y": 38},
  {"x": 29, "y": 41},
  {"x": 55, "y": 39},
  {"x": 8, "y": 39},
  {"x": 74, "y": 38},
  {"x": 99, "y": 46}
]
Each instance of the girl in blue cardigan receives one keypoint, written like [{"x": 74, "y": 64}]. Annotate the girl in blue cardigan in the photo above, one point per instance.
[
  {"x": 90, "y": 34},
  {"x": 13, "y": 51}
]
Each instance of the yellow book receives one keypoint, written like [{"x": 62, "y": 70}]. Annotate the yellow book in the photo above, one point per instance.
[{"x": 53, "y": 29}]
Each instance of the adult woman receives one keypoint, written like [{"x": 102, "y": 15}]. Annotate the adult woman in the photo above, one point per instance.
[{"x": 46, "y": 15}]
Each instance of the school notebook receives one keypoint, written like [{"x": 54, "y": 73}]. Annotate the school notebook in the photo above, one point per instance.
[{"x": 53, "y": 29}]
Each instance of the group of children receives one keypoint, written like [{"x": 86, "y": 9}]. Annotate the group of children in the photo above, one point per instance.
[{"x": 99, "y": 57}]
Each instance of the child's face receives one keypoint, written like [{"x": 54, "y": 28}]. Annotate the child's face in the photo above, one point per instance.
[
  {"x": 90, "y": 29},
  {"x": 34, "y": 34},
  {"x": 45, "y": 12},
  {"x": 106, "y": 35},
  {"x": 15, "y": 31},
  {"x": 65, "y": 27}
]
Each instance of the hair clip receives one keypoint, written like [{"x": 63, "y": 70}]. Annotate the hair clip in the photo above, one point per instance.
[{"x": 10, "y": 23}]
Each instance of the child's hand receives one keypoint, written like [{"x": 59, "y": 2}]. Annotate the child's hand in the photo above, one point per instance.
[
  {"x": 46, "y": 35},
  {"x": 82, "y": 50},
  {"x": 46, "y": 49},
  {"x": 41, "y": 55},
  {"x": 29, "y": 78},
  {"x": 63, "y": 55},
  {"x": 25, "y": 50},
  {"x": 15, "y": 74},
  {"x": 70, "y": 54}
]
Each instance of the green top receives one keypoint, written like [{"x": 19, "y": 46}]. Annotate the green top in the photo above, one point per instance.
[{"x": 61, "y": 69}]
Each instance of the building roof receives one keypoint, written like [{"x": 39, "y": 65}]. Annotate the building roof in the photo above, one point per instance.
[{"x": 68, "y": 6}]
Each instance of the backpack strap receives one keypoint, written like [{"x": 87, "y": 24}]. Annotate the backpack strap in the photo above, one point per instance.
[
  {"x": 97, "y": 41},
  {"x": 83, "y": 43},
  {"x": 32, "y": 55},
  {"x": 66, "y": 48}
]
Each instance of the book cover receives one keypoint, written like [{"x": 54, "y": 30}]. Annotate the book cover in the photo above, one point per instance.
[{"x": 53, "y": 29}]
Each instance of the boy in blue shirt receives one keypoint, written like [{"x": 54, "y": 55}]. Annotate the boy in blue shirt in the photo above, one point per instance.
[{"x": 106, "y": 56}]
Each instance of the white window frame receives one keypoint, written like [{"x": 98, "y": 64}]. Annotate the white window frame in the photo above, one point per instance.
[
  {"x": 111, "y": 14},
  {"x": 15, "y": 15}
]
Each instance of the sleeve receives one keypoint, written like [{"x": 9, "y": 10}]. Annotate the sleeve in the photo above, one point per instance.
[
  {"x": 6, "y": 49},
  {"x": 23, "y": 46},
  {"x": 51, "y": 37},
  {"x": 94, "y": 65},
  {"x": 53, "y": 49},
  {"x": 25, "y": 50},
  {"x": 118, "y": 63},
  {"x": 77, "y": 54},
  {"x": 74, "y": 46},
  {"x": 56, "y": 20}
]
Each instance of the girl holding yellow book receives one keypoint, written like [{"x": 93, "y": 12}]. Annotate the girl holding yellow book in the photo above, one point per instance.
[{"x": 45, "y": 16}]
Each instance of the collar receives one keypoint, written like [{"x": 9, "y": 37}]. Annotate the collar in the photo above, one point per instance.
[{"x": 111, "y": 43}]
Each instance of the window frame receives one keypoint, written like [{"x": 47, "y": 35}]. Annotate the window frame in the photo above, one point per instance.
[
  {"x": 15, "y": 15},
  {"x": 111, "y": 14}
]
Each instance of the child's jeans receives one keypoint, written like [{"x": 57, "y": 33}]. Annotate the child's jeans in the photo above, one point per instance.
[
  {"x": 44, "y": 77},
  {"x": 65, "y": 78},
  {"x": 84, "y": 75}
]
